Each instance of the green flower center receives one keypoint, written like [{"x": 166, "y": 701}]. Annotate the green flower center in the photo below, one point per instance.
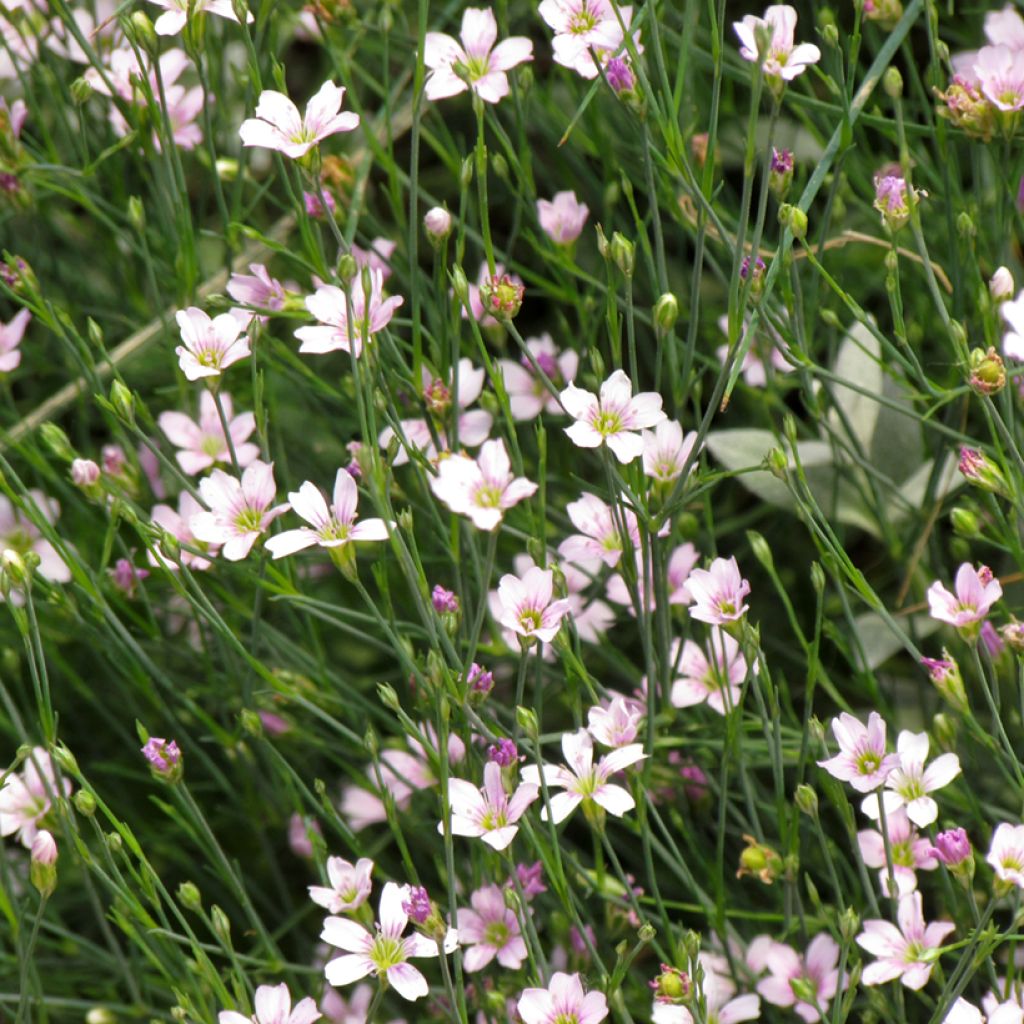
[
  {"x": 868, "y": 762},
  {"x": 606, "y": 423},
  {"x": 249, "y": 520},
  {"x": 496, "y": 934},
  {"x": 387, "y": 953}
]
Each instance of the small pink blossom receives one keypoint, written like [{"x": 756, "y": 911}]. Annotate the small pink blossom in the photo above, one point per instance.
[
  {"x": 10, "y": 338},
  {"x": 1000, "y": 75},
  {"x": 816, "y": 974},
  {"x": 176, "y": 523},
  {"x": 202, "y": 444},
  {"x": 666, "y": 450},
  {"x": 910, "y": 852},
  {"x": 481, "y": 489},
  {"x": 528, "y": 395},
  {"x": 527, "y": 605},
  {"x": 1006, "y": 854},
  {"x": 377, "y": 257},
  {"x": 680, "y": 564},
  {"x": 490, "y": 930},
  {"x": 239, "y": 511},
  {"x": 210, "y": 346},
  {"x": 562, "y": 1002},
  {"x": 976, "y": 592},
  {"x": 477, "y": 64},
  {"x": 334, "y": 332},
  {"x": 25, "y": 797},
  {"x": 257, "y": 289},
  {"x": 600, "y": 535},
  {"x": 617, "y": 724},
  {"x": 385, "y": 952},
  {"x": 718, "y": 592},
  {"x": 277, "y": 124},
  {"x": 909, "y": 782},
  {"x": 489, "y": 813},
  {"x": 585, "y": 27},
  {"x": 862, "y": 760},
  {"x": 583, "y": 780},
  {"x": 350, "y": 885},
  {"x": 996, "y": 1012},
  {"x": 784, "y": 60},
  {"x": 952, "y": 847},
  {"x": 273, "y": 1005},
  {"x": 330, "y": 526},
  {"x": 708, "y": 675},
  {"x": 563, "y": 217},
  {"x": 615, "y": 417},
  {"x": 177, "y": 13},
  {"x": 908, "y": 952}
]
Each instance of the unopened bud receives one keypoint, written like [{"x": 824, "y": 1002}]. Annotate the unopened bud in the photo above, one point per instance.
[
  {"x": 388, "y": 697},
  {"x": 221, "y": 924},
  {"x": 43, "y": 870},
  {"x": 437, "y": 222},
  {"x": 142, "y": 33},
  {"x": 964, "y": 522},
  {"x": 57, "y": 441},
  {"x": 84, "y": 473},
  {"x": 460, "y": 285},
  {"x": 81, "y": 91},
  {"x": 623, "y": 254},
  {"x": 1000, "y": 285},
  {"x": 892, "y": 83},
  {"x": 85, "y": 803},
  {"x": 526, "y": 718},
  {"x": 123, "y": 401},
  {"x": 666, "y": 312},
  {"x": 807, "y": 800},
  {"x": 794, "y": 218},
  {"x": 189, "y": 896},
  {"x": 987, "y": 372},
  {"x": 762, "y": 552}
]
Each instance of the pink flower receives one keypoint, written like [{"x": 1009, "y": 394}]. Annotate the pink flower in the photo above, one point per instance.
[
  {"x": 488, "y": 813},
  {"x": 203, "y": 444},
  {"x": 177, "y": 12},
  {"x": 666, "y": 450},
  {"x": 617, "y": 724},
  {"x": 239, "y": 511},
  {"x": 583, "y": 780},
  {"x": 273, "y": 1004},
  {"x": 680, "y": 564},
  {"x": 908, "y": 952},
  {"x": 563, "y": 217},
  {"x": 910, "y": 852},
  {"x": 10, "y": 338},
  {"x": 862, "y": 760},
  {"x": 25, "y": 797},
  {"x": 783, "y": 60},
  {"x": 561, "y": 1002},
  {"x": 807, "y": 983},
  {"x": 708, "y": 676},
  {"x": 615, "y": 418},
  {"x": 996, "y": 1012},
  {"x": 976, "y": 592},
  {"x": 384, "y": 953},
  {"x": 1013, "y": 341},
  {"x": 257, "y": 289},
  {"x": 718, "y": 592},
  {"x": 473, "y": 424},
  {"x": 582, "y": 26},
  {"x": 333, "y": 526},
  {"x": 1000, "y": 75},
  {"x": 176, "y": 523},
  {"x": 1006, "y": 854},
  {"x": 527, "y": 607},
  {"x": 477, "y": 64},
  {"x": 277, "y": 124},
  {"x": 210, "y": 346},
  {"x": 600, "y": 537},
  {"x": 350, "y": 885},
  {"x": 481, "y": 489},
  {"x": 909, "y": 782},
  {"x": 490, "y": 930},
  {"x": 329, "y": 306},
  {"x": 528, "y": 396}
]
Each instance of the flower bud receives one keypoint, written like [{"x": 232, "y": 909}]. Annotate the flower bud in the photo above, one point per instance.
[
  {"x": 777, "y": 463},
  {"x": 780, "y": 173},
  {"x": 437, "y": 222},
  {"x": 81, "y": 91},
  {"x": 849, "y": 924},
  {"x": 953, "y": 848},
  {"x": 221, "y": 924},
  {"x": 141, "y": 32},
  {"x": 754, "y": 269},
  {"x": 623, "y": 253},
  {"x": 189, "y": 896},
  {"x": 892, "y": 83},
  {"x": 987, "y": 372},
  {"x": 979, "y": 470},
  {"x": 123, "y": 401},
  {"x": 1000, "y": 285},
  {"x": 759, "y": 860},
  {"x": 164, "y": 757},
  {"x": 666, "y": 312},
  {"x": 136, "y": 213},
  {"x": 85, "y": 803},
  {"x": 501, "y": 296},
  {"x": 945, "y": 675},
  {"x": 388, "y": 697},
  {"x": 807, "y": 800},
  {"x": 965, "y": 226},
  {"x": 759, "y": 546},
  {"x": 460, "y": 285},
  {"x": 964, "y": 522},
  {"x": 1013, "y": 635},
  {"x": 526, "y": 718},
  {"x": 794, "y": 218},
  {"x": 43, "y": 870},
  {"x": 57, "y": 441},
  {"x": 84, "y": 473}
]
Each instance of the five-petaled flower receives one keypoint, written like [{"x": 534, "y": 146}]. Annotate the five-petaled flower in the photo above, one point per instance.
[
  {"x": 582, "y": 780},
  {"x": 806, "y": 982},
  {"x": 482, "y": 489},
  {"x": 488, "y": 813},
  {"x": 477, "y": 64},
  {"x": 1006, "y": 854},
  {"x": 562, "y": 1002},
  {"x": 615, "y": 417},
  {"x": 384, "y": 952},
  {"x": 976, "y": 592},
  {"x": 25, "y": 797},
  {"x": 718, "y": 592},
  {"x": 783, "y": 60},
  {"x": 273, "y": 1005},
  {"x": 527, "y": 607},
  {"x": 490, "y": 930},
  {"x": 239, "y": 511},
  {"x": 209, "y": 346},
  {"x": 350, "y": 885},
  {"x": 908, "y": 952},
  {"x": 277, "y": 124},
  {"x": 344, "y": 323},
  {"x": 202, "y": 443},
  {"x": 330, "y": 526},
  {"x": 862, "y": 760}
]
